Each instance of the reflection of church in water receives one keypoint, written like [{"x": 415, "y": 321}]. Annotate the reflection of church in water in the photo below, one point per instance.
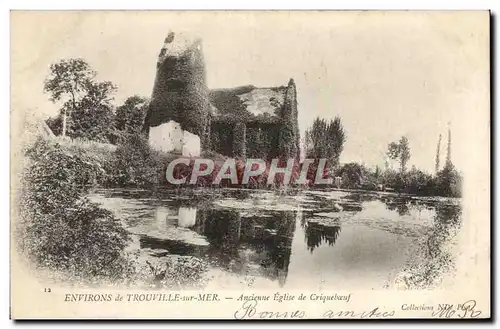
[
  {"x": 254, "y": 245},
  {"x": 242, "y": 244}
]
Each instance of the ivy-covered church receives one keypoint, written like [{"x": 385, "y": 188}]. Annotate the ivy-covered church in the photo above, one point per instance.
[{"x": 184, "y": 116}]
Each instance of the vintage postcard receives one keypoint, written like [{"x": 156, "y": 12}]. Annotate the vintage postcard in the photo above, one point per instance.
[{"x": 250, "y": 165}]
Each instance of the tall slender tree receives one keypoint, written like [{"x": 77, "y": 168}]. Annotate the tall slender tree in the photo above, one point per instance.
[
  {"x": 448, "y": 151},
  {"x": 449, "y": 178},
  {"x": 438, "y": 153}
]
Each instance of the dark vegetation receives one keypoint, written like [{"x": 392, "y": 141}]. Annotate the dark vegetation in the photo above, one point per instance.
[
  {"x": 180, "y": 94},
  {"x": 448, "y": 181},
  {"x": 325, "y": 139},
  {"x": 59, "y": 228}
]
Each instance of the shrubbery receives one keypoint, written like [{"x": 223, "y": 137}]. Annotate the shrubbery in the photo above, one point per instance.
[
  {"x": 447, "y": 182},
  {"x": 59, "y": 228},
  {"x": 135, "y": 164}
]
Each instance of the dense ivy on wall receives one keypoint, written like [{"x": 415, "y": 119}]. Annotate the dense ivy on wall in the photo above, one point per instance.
[
  {"x": 289, "y": 135},
  {"x": 222, "y": 139},
  {"x": 239, "y": 140},
  {"x": 257, "y": 143},
  {"x": 180, "y": 93}
]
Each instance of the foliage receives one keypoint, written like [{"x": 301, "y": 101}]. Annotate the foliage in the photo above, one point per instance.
[
  {"x": 415, "y": 181},
  {"x": 67, "y": 78},
  {"x": 100, "y": 155},
  {"x": 325, "y": 140},
  {"x": 136, "y": 164},
  {"x": 173, "y": 272},
  {"x": 86, "y": 110},
  {"x": 286, "y": 147},
  {"x": 289, "y": 136},
  {"x": 400, "y": 151},
  {"x": 352, "y": 175},
  {"x": 61, "y": 230},
  {"x": 438, "y": 150},
  {"x": 239, "y": 140},
  {"x": 55, "y": 124},
  {"x": 419, "y": 183},
  {"x": 130, "y": 116},
  {"x": 180, "y": 93},
  {"x": 391, "y": 178},
  {"x": 66, "y": 83},
  {"x": 93, "y": 117},
  {"x": 449, "y": 181},
  {"x": 448, "y": 150}
]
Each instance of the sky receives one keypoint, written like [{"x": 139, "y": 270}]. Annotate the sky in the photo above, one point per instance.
[{"x": 386, "y": 74}]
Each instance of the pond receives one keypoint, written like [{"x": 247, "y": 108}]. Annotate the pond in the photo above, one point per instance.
[{"x": 312, "y": 239}]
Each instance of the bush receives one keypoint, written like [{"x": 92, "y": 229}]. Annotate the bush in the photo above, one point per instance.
[
  {"x": 99, "y": 156},
  {"x": 352, "y": 175},
  {"x": 59, "y": 228},
  {"x": 136, "y": 164}
]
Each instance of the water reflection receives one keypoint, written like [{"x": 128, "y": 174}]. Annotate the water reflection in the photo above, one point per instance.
[
  {"x": 401, "y": 205},
  {"x": 237, "y": 242},
  {"x": 447, "y": 222},
  {"x": 435, "y": 256},
  {"x": 262, "y": 242},
  {"x": 316, "y": 233}
]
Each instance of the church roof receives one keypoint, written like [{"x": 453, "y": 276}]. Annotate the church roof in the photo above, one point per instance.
[{"x": 248, "y": 103}]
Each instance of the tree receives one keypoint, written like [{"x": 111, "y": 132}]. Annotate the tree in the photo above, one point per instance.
[
  {"x": 418, "y": 182},
  {"x": 448, "y": 151},
  {"x": 315, "y": 139},
  {"x": 130, "y": 116},
  {"x": 66, "y": 83},
  {"x": 404, "y": 155},
  {"x": 88, "y": 111},
  {"x": 94, "y": 119},
  {"x": 336, "y": 138},
  {"x": 449, "y": 180},
  {"x": 352, "y": 175},
  {"x": 437, "y": 153},
  {"x": 400, "y": 151},
  {"x": 325, "y": 140}
]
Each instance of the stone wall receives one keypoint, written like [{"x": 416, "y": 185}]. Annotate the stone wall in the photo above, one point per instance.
[
  {"x": 166, "y": 137},
  {"x": 171, "y": 138},
  {"x": 191, "y": 144}
]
